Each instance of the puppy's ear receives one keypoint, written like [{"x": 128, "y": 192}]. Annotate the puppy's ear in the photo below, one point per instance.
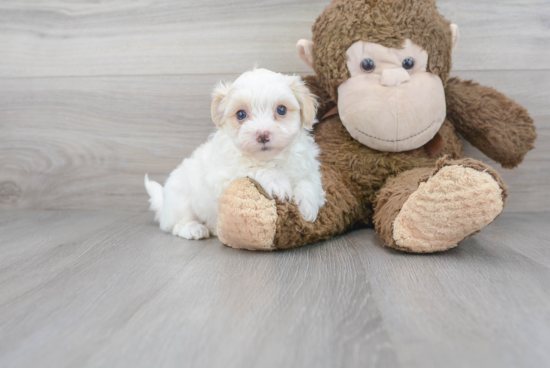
[
  {"x": 308, "y": 101},
  {"x": 219, "y": 100}
]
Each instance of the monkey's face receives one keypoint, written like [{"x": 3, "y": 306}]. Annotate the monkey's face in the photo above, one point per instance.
[
  {"x": 384, "y": 62},
  {"x": 391, "y": 103}
]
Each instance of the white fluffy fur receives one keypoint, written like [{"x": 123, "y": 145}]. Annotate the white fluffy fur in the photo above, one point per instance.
[{"x": 286, "y": 166}]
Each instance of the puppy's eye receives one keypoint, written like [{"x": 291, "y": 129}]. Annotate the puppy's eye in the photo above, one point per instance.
[
  {"x": 408, "y": 63},
  {"x": 368, "y": 65},
  {"x": 281, "y": 110},
  {"x": 241, "y": 114}
]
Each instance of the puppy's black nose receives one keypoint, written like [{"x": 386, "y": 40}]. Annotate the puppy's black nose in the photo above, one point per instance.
[{"x": 263, "y": 137}]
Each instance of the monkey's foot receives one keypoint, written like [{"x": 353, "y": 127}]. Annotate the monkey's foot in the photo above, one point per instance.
[
  {"x": 247, "y": 217},
  {"x": 455, "y": 203}
]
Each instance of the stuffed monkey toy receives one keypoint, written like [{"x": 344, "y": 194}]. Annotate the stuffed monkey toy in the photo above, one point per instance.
[{"x": 391, "y": 156}]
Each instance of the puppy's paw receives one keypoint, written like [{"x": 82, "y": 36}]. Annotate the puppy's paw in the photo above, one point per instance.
[
  {"x": 191, "y": 230},
  {"x": 280, "y": 188},
  {"x": 309, "y": 208}
]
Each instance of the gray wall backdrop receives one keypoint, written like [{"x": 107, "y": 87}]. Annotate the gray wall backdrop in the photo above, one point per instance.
[{"x": 95, "y": 94}]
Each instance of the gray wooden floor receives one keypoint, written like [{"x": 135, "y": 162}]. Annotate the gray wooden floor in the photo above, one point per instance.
[{"x": 106, "y": 289}]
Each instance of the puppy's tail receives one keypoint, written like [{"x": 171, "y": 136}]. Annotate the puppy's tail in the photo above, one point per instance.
[{"x": 154, "y": 190}]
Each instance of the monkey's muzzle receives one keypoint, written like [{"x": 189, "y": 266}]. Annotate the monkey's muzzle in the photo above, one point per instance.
[{"x": 392, "y": 117}]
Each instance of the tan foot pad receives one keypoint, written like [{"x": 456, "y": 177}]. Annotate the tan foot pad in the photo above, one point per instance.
[
  {"x": 247, "y": 218},
  {"x": 453, "y": 204}
]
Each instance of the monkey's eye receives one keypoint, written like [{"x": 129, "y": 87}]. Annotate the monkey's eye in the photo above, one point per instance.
[
  {"x": 408, "y": 63},
  {"x": 241, "y": 114},
  {"x": 368, "y": 65},
  {"x": 281, "y": 110}
]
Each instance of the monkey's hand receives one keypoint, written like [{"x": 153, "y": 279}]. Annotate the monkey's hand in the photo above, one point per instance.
[{"x": 490, "y": 121}]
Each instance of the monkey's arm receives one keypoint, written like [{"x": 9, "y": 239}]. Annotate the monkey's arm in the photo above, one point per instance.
[
  {"x": 325, "y": 102},
  {"x": 490, "y": 121}
]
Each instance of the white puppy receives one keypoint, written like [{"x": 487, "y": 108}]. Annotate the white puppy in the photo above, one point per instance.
[{"x": 264, "y": 120}]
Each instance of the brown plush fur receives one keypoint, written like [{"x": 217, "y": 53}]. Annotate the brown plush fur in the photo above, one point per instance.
[
  {"x": 365, "y": 186},
  {"x": 323, "y": 98},
  {"x": 352, "y": 176}
]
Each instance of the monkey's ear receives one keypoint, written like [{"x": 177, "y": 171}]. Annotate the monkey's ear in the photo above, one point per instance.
[
  {"x": 219, "y": 99},
  {"x": 456, "y": 35},
  {"x": 308, "y": 102},
  {"x": 305, "y": 50}
]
